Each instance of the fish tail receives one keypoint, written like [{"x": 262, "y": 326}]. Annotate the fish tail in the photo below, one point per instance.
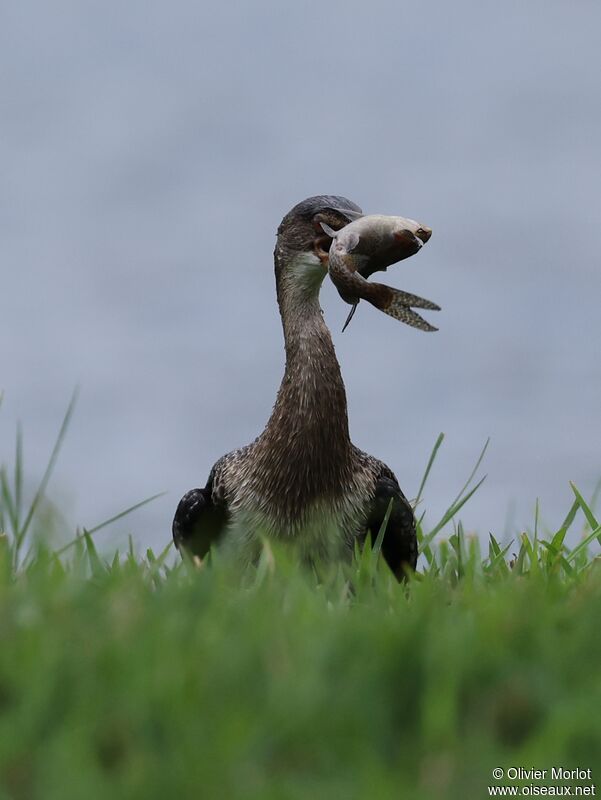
[
  {"x": 408, "y": 316},
  {"x": 397, "y": 304}
]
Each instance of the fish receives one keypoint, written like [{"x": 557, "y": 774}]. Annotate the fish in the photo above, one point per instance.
[{"x": 370, "y": 244}]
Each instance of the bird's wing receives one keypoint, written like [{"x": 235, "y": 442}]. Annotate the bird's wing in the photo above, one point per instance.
[
  {"x": 201, "y": 515},
  {"x": 399, "y": 546}
]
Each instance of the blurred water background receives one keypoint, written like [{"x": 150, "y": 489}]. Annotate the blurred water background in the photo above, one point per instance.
[{"x": 148, "y": 152}]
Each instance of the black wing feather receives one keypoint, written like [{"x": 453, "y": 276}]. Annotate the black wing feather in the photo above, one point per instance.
[
  {"x": 399, "y": 546},
  {"x": 199, "y": 521}
]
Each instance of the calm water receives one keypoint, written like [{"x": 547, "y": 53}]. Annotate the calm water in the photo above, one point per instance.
[{"x": 148, "y": 154}]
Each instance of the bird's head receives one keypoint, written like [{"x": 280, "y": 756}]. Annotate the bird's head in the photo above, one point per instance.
[{"x": 302, "y": 246}]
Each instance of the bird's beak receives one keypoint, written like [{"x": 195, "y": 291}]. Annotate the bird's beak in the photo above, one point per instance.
[{"x": 352, "y": 215}]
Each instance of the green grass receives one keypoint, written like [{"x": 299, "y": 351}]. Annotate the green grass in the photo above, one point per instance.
[{"x": 144, "y": 677}]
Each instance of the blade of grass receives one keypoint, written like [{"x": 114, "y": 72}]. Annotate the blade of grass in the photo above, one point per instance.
[
  {"x": 555, "y": 558},
  {"x": 595, "y": 497},
  {"x": 473, "y": 472},
  {"x": 8, "y": 502},
  {"x": 433, "y": 454},
  {"x": 129, "y": 510},
  {"x": 97, "y": 567},
  {"x": 594, "y": 534},
  {"x": 382, "y": 531},
  {"x": 590, "y": 517},
  {"x": 450, "y": 513},
  {"x": 164, "y": 553},
  {"x": 531, "y": 550},
  {"x": 21, "y": 533},
  {"x": 109, "y": 521},
  {"x": 18, "y": 475},
  {"x": 496, "y": 554},
  {"x": 499, "y": 561},
  {"x": 518, "y": 564},
  {"x": 494, "y": 548},
  {"x": 426, "y": 550},
  {"x": 567, "y": 523},
  {"x": 456, "y": 542},
  {"x": 557, "y": 541}
]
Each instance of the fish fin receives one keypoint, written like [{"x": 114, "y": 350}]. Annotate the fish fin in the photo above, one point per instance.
[
  {"x": 350, "y": 316},
  {"x": 326, "y": 229},
  {"x": 352, "y": 240}
]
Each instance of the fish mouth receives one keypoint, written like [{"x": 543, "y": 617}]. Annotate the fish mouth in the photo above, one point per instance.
[
  {"x": 409, "y": 238},
  {"x": 405, "y": 243},
  {"x": 423, "y": 233},
  {"x": 417, "y": 238}
]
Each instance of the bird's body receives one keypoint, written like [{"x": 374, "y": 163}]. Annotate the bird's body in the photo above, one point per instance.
[{"x": 302, "y": 480}]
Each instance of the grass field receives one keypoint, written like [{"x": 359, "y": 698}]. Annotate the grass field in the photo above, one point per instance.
[{"x": 142, "y": 677}]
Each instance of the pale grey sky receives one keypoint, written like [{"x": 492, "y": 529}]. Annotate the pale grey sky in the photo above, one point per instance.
[{"x": 148, "y": 152}]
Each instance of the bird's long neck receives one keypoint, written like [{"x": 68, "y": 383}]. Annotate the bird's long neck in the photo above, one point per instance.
[
  {"x": 307, "y": 438},
  {"x": 312, "y": 398}
]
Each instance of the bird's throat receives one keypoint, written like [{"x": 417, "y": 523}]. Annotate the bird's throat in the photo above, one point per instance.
[{"x": 306, "y": 440}]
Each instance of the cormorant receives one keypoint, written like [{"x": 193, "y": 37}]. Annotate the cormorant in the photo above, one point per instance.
[{"x": 302, "y": 480}]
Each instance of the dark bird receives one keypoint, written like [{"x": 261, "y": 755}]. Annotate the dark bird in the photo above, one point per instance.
[{"x": 302, "y": 480}]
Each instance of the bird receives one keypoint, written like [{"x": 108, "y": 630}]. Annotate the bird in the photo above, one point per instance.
[{"x": 302, "y": 481}]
